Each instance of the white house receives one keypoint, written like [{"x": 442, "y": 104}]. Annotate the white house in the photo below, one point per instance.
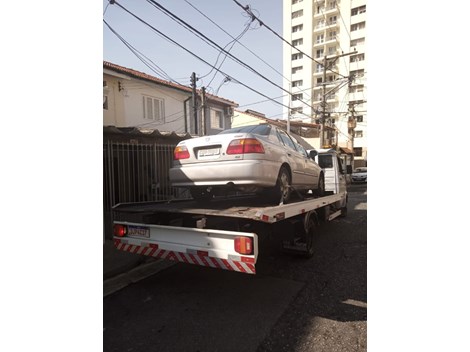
[{"x": 136, "y": 99}]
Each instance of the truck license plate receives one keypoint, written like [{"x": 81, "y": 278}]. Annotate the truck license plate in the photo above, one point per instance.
[
  {"x": 208, "y": 152},
  {"x": 139, "y": 231}
]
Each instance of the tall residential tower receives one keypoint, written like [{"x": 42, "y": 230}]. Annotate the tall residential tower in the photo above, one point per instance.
[{"x": 329, "y": 34}]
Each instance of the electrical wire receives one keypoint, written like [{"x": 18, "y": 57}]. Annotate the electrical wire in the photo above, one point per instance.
[
  {"x": 156, "y": 69},
  {"x": 198, "y": 57},
  {"x": 212, "y": 43},
  {"x": 244, "y": 46},
  {"x": 247, "y": 9}
]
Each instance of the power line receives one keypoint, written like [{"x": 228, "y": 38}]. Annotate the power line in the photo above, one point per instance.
[
  {"x": 247, "y": 9},
  {"x": 139, "y": 55},
  {"x": 237, "y": 40},
  {"x": 199, "y": 58},
  {"x": 212, "y": 43}
]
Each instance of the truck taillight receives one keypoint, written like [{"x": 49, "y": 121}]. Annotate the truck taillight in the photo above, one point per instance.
[
  {"x": 244, "y": 245},
  {"x": 244, "y": 146},
  {"x": 181, "y": 152},
  {"x": 120, "y": 230}
]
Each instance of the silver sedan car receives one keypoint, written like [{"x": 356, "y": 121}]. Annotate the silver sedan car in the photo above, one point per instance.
[{"x": 259, "y": 158}]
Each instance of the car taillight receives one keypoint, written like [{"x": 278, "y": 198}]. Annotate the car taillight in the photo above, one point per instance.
[
  {"x": 243, "y": 245},
  {"x": 244, "y": 146},
  {"x": 181, "y": 152},
  {"x": 120, "y": 230}
]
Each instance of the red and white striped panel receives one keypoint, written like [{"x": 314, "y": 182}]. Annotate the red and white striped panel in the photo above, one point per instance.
[{"x": 152, "y": 250}]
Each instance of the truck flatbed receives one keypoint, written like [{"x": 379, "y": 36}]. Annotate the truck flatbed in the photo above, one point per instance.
[{"x": 252, "y": 208}]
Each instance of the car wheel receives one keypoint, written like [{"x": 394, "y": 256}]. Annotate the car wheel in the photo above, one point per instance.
[
  {"x": 201, "y": 193},
  {"x": 282, "y": 189},
  {"x": 320, "y": 191}
]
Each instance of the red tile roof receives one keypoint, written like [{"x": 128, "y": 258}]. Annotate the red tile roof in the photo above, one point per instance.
[{"x": 142, "y": 75}]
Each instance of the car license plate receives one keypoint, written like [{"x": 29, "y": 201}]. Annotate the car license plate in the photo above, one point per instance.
[
  {"x": 139, "y": 231},
  {"x": 208, "y": 152}
]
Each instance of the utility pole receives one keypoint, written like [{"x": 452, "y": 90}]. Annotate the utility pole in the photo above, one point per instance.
[
  {"x": 323, "y": 103},
  {"x": 203, "y": 111},
  {"x": 193, "y": 85},
  {"x": 323, "y": 111}
]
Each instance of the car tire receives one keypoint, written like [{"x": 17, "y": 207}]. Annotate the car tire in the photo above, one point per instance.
[
  {"x": 201, "y": 193},
  {"x": 282, "y": 190},
  {"x": 320, "y": 190}
]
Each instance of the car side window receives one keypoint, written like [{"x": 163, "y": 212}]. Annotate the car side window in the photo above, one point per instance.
[
  {"x": 286, "y": 140},
  {"x": 301, "y": 150}
]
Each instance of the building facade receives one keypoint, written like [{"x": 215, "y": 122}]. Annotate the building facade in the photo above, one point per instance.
[
  {"x": 328, "y": 34},
  {"x": 136, "y": 99}
]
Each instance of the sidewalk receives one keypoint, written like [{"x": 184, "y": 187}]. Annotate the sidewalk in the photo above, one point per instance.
[
  {"x": 121, "y": 269},
  {"x": 116, "y": 262}
]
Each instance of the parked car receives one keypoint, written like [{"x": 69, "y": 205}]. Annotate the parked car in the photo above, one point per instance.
[
  {"x": 258, "y": 158},
  {"x": 359, "y": 175}
]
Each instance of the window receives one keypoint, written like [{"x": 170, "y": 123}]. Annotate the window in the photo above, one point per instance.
[
  {"x": 320, "y": 80},
  {"x": 297, "y": 14},
  {"x": 105, "y": 96},
  {"x": 319, "y": 53},
  {"x": 358, "y": 26},
  {"x": 358, "y": 151},
  {"x": 331, "y": 5},
  {"x": 285, "y": 139},
  {"x": 297, "y": 110},
  {"x": 320, "y": 24},
  {"x": 332, "y": 35},
  {"x": 356, "y": 89},
  {"x": 297, "y": 96},
  {"x": 319, "y": 68},
  {"x": 332, "y": 50},
  {"x": 332, "y": 20},
  {"x": 359, "y": 118},
  {"x": 298, "y": 83},
  {"x": 320, "y": 9},
  {"x": 357, "y": 134},
  {"x": 357, "y": 42},
  {"x": 217, "y": 119},
  {"x": 297, "y": 28},
  {"x": 153, "y": 108},
  {"x": 358, "y": 10},
  {"x": 297, "y": 68},
  {"x": 298, "y": 42},
  {"x": 357, "y": 73},
  {"x": 357, "y": 58},
  {"x": 296, "y": 1},
  {"x": 320, "y": 38},
  {"x": 297, "y": 56}
]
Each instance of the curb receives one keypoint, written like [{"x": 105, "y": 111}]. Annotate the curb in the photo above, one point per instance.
[{"x": 134, "y": 275}]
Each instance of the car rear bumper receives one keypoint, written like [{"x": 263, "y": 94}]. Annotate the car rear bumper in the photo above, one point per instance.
[{"x": 239, "y": 172}]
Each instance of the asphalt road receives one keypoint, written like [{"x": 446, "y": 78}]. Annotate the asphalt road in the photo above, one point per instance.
[{"x": 292, "y": 304}]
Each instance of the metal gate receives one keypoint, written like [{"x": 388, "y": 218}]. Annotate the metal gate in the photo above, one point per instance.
[{"x": 136, "y": 172}]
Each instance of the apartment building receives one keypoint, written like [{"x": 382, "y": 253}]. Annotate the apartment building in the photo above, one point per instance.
[{"x": 331, "y": 34}]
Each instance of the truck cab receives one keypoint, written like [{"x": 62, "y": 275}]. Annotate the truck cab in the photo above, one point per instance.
[{"x": 334, "y": 171}]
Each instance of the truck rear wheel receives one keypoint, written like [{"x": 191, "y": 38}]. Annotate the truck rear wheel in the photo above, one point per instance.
[{"x": 310, "y": 225}]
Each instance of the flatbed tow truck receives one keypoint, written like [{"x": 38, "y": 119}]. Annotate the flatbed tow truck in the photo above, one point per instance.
[{"x": 225, "y": 232}]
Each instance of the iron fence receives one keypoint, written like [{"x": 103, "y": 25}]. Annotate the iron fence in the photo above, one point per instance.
[{"x": 136, "y": 172}]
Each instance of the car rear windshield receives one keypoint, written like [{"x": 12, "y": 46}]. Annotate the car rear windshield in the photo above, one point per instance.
[{"x": 263, "y": 130}]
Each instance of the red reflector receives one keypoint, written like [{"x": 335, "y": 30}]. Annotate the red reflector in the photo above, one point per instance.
[
  {"x": 203, "y": 253},
  {"x": 248, "y": 260},
  {"x": 243, "y": 245},
  {"x": 120, "y": 230},
  {"x": 181, "y": 152},
  {"x": 244, "y": 146}
]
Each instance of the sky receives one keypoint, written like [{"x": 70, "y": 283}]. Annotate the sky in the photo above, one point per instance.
[{"x": 220, "y": 21}]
